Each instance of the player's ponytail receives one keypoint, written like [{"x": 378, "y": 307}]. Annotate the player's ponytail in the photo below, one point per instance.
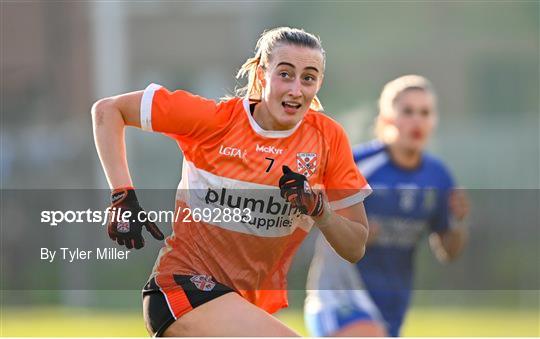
[
  {"x": 253, "y": 88},
  {"x": 265, "y": 45}
]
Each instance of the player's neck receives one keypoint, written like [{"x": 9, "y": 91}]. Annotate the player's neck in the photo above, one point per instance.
[
  {"x": 405, "y": 158},
  {"x": 262, "y": 117}
]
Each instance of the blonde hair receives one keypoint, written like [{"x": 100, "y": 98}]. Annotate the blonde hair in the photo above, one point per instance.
[
  {"x": 387, "y": 100},
  {"x": 263, "y": 53}
]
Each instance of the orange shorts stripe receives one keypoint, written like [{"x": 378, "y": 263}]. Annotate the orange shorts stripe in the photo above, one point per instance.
[{"x": 175, "y": 295}]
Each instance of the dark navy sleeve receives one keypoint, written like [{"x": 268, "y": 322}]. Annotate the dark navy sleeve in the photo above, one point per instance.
[{"x": 365, "y": 150}]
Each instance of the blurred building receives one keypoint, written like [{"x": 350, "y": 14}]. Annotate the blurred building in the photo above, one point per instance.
[{"x": 59, "y": 57}]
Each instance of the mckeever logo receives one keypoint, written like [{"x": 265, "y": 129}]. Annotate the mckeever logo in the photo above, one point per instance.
[
  {"x": 269, "y": 149},
  {"x": 232, "y": 152}
]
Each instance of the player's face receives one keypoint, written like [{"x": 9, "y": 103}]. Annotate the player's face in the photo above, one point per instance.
[
  {"x": 290, "y": 81},
  {"x": 415, "y": 118}
]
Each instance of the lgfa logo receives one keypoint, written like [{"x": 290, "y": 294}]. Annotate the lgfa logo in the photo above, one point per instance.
[
  {"x": 232, "y": 152},
  {"x": 269, "y": 149}
]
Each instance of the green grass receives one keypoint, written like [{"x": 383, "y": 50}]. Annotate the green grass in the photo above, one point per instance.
[
  {"x": 457, "y": 322},
  {"x": 76, "y": 322},
  {"x": 454, "y": 322},
  {"x": 70, "y": 322}
]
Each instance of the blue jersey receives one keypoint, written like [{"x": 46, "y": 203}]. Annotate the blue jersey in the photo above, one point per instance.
[{"x": 404, "y": 206}]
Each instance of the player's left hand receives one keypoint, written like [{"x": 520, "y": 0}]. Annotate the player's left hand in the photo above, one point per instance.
[{"x": 295, "y": 189}]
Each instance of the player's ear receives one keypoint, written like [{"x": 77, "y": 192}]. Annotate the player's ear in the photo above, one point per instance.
[{"x": 260, "y": 72}]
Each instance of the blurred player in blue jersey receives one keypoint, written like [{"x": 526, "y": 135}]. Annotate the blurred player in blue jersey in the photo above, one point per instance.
[{"x": 414, "y": 194}]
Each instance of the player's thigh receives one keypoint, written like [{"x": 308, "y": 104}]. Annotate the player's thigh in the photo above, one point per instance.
[{"x": 229, "y": 315}]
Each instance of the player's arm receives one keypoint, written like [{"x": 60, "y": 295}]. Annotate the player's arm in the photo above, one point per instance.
[
  {"x": 154, "y": 109},
  {"x": 346, "y": 230},
  {"x": 448, "y": 244},
  {"x": 109, "y": 117}
]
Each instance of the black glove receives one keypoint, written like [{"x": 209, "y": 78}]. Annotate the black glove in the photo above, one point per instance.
[
  {"x": 129, "y": 233},
  {"x": 295, "y": 189}
]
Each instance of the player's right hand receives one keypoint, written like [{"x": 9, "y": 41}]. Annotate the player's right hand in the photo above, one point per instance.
[
  {"x": 129, "y": 233},
  {"x": 295, "y": 189}
]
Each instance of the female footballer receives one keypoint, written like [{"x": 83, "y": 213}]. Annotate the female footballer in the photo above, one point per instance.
[
  {"x": 413, "y": 196},
  {"x": 259, "y": 170}
]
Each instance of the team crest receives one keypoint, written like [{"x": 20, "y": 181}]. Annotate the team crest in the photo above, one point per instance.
[
  {"x": 307, "y": 163},
  {"x": 203, "y": 282},
  {"x": 122, "y": 227}
]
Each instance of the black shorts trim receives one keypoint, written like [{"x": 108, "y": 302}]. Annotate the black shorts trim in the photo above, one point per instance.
[{"x": 168, "y": 297}]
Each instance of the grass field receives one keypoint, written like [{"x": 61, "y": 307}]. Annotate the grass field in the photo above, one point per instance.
[{"x": 74, "y": 322}]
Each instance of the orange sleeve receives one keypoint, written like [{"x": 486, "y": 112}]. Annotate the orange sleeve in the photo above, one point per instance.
[
  {"x": 178, "y": 112},
  {"x": 344, "y": 184}
]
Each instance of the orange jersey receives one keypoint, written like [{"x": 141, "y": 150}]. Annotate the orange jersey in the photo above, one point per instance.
[{"x": 231, "y": 162}]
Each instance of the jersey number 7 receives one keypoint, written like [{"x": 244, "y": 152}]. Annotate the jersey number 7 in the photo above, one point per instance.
[{"x": 270, "y": 165}]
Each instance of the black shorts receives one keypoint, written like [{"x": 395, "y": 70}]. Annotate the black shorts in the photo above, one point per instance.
[{"x": 166, "y": 297}]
